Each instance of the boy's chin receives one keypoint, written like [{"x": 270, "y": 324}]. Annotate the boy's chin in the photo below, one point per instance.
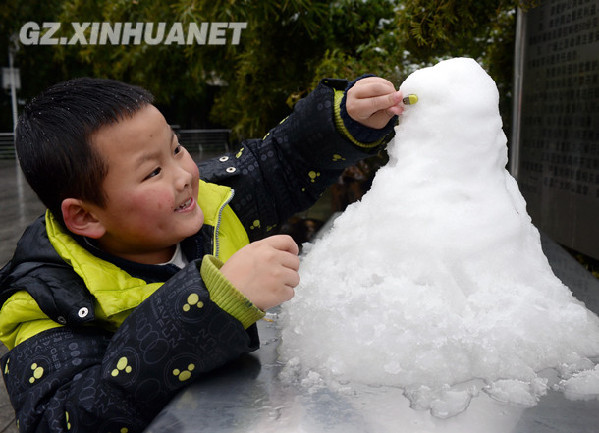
[{"x": 193, "y": 229}]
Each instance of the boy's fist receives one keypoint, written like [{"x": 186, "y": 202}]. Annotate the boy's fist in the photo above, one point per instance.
[
  {"x": 265, "y": 271},
  {"x": 373, "y": 101}
]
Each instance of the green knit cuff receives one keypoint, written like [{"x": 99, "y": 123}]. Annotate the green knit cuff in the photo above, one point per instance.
[
  {"x": 340, "y": 124},
  {"x": 225, "y": 295}
]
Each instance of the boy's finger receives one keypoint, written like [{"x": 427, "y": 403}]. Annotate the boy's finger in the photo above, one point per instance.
[
  {"x": 372, "y": 86},
  {"x": 365, "y": 108},
  {"x": 283, "y": 243},
  {"x": 386, "y": 101},
  {"x": 396, "y": 110},
  {"x": 377, "y": 100},
  {"x": 292, "y": 280},
  {"x": 290, "y": 261}
]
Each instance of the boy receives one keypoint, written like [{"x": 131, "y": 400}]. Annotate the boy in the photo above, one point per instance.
[{"x": 141, "y": 276}]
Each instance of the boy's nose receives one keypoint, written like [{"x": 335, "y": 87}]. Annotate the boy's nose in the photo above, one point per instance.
[{"x": 183, "y": 179}]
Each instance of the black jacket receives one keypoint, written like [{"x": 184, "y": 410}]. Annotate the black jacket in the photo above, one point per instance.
[{"x": 81, "y": 377}]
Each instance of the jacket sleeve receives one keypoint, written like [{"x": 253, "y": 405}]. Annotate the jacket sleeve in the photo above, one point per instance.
[
  {"x": 287, "y": 170},
  {"x": 85, "y": 379}
]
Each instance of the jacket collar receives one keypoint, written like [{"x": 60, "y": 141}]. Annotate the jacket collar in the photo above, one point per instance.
[
  {"x": 102, "y": 277},
  {"x": 115, "y": 289}
]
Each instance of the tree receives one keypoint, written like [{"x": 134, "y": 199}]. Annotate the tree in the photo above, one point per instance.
[
  {"x": 282, "y": 53},
  {"x": 420, "y": 33},
  {"x": 36, "y": 63}
]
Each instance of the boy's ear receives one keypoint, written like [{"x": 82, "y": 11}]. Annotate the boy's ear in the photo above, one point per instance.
[{"x": 80, "y": 220}]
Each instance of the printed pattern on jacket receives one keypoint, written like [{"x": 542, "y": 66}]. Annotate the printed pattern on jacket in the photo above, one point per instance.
[
  {"x": 84, "y": 378},
  {"x": 123, "y": 380}
]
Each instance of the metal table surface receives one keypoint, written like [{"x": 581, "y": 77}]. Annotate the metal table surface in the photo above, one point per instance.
[{"x": 248, "y": 395}]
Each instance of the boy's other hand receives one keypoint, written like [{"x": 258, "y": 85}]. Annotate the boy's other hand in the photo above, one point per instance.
[
  {"x": 265, "y": 271},
  {"x": 373, "y": 101}
]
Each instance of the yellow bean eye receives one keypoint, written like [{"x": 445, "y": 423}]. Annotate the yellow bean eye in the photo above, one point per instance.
[{"x": 410, "y": 99}]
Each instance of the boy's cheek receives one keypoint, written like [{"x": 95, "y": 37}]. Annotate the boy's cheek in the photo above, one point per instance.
[{"x": 151, "y": 201}]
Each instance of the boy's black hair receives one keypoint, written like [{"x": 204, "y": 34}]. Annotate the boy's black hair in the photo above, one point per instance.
[{"x": 53, "y": 137}]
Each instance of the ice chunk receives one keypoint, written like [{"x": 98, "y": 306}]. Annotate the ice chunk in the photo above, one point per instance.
[
  {"x": 583, "y": 385},
  {"x": 518, "y": 392}
]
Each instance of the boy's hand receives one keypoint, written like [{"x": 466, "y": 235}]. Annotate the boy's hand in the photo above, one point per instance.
[
  {"x": 373, "y": 101},
  {"x": 265, "y": 271}
]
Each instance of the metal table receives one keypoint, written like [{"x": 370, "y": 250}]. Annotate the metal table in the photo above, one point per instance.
[{"x": 248, "y": 396}]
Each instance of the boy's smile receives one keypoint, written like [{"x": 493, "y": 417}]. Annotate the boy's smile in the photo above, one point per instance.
[{"x": 151, "y": 188}]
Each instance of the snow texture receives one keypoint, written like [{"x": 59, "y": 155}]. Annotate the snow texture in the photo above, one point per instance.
[{"x": 436, "y": 282}]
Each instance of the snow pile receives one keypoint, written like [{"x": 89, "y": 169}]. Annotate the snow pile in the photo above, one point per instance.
[
  {"x": 580, "y": 380},
  {"x": 436, "y": 282}
]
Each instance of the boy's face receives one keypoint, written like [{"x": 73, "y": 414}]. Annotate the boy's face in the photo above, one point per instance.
[{"x": 151, "y": 188}]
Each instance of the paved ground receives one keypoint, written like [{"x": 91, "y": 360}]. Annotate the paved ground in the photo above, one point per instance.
[{"x": 18, "y": 207}]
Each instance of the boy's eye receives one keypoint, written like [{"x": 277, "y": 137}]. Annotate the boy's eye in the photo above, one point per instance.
[
  {"x": 154, "y": 172},
  {"x": 178, "y": 149}
]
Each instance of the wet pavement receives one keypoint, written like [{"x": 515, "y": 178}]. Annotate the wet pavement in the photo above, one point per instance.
[{"x": 18, "y": 207}]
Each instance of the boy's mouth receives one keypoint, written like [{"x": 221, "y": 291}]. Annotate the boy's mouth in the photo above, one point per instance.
[{"x": 185, "y": 205}]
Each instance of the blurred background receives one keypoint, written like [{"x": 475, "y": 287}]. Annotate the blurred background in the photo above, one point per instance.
[
  {"x": 285, "y": 49},
  {"x": 217, "y": 95}
]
